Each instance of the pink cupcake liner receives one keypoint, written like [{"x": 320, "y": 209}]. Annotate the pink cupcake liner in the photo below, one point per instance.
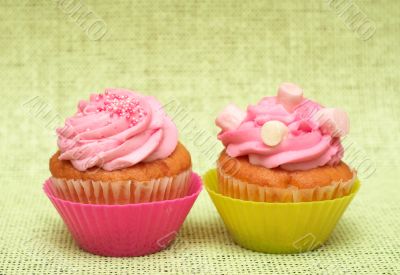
[
  {"x": 125, "y": 230},
  {"x": 122, "y": 192}
]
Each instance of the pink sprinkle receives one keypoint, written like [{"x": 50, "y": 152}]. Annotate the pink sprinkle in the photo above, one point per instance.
[{"x": 123, "y": 106}]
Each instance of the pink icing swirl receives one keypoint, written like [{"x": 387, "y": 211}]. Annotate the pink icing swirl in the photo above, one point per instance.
[
  {"x": 307, "y": 144},
  {"x": 116, "y": 130}
]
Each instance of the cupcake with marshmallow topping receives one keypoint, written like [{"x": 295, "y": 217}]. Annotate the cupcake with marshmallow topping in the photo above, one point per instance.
[
  {"x": 286, "y": 148},
  {"x": 119, "y": 148}
]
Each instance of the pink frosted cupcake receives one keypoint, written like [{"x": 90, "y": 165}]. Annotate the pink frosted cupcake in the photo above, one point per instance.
[
  {"x": 119, "y": 148},
  {"x": 286, "y": 148}
]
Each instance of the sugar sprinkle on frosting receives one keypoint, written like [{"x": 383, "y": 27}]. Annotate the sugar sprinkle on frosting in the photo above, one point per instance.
[{"x": 122, "y": 106}]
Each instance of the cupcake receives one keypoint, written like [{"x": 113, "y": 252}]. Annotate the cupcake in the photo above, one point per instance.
[
  {"x": 120, "y": 180},
  {"x": 120, "y": 147},
  {"x": 280, "y": 184},
  {"x": 284, "y": 149}
]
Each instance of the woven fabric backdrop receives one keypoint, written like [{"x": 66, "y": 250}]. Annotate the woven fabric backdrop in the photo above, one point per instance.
[{"x": 200, "y": 56}]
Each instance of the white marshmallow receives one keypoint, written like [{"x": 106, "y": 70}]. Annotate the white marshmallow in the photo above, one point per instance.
[
  {"x": 289, "y": 95},
  {"x": 273, "y": 132},
  {"x": 230, "y": 118},
  {"x": 333, "y": 121}
]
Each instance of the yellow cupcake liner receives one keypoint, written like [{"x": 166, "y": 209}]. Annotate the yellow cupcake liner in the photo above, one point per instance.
[{"x": 277, "y": 227}]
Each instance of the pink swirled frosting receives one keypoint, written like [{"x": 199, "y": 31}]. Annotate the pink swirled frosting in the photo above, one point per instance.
[
  {"x": 115, "y": 130},
  {"x": 307, "y": 141}
]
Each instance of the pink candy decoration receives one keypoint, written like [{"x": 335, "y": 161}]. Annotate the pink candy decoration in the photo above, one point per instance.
[
  {"x": 289, "y": 95},
  {"x": 122, "y": 106},
  {"x": 125, "y": 230}
]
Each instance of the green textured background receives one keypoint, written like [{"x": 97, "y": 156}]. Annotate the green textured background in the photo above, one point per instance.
[{"x": 203, "y": 55}]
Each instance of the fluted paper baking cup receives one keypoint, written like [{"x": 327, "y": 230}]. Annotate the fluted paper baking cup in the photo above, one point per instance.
[
  {"x": 125, "y": 230},
  {"x": 121, "y": 192},
  {"x": 235, "y": 188},
  {"x": 276, "y": 227}
]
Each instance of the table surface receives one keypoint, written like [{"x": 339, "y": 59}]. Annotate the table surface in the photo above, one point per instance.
[{"x": 201, "y": 55}]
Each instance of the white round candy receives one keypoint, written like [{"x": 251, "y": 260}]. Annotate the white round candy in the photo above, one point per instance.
[{"x": 273, "y": 132}]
